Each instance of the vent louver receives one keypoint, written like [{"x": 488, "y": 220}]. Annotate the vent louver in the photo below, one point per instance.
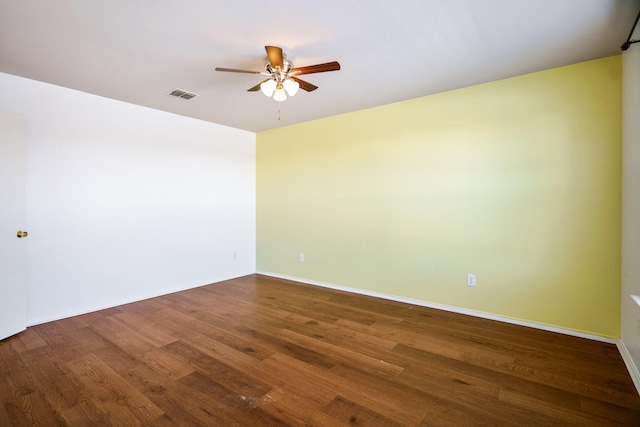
[{"x": 179, "y": 93}]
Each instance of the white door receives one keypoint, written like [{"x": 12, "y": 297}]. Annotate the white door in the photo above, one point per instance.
[{"x": 13, "y": 262}]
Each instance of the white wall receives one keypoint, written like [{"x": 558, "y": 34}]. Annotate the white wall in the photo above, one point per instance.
[
  {"x": 125, "y": 202},
  {"x": 631, "y": 206}
]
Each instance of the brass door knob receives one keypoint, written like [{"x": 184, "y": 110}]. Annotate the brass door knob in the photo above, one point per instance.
[{"x": 22, "y": 234}]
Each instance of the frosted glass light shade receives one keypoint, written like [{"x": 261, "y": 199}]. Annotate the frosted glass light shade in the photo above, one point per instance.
[
  {"x": 279, "y": 94},
  {"x": 268, "y": 87},
  {"x": 291, "y": 86}
]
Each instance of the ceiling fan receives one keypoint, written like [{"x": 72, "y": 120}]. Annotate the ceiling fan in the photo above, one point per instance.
[{"x": 282, "y": 75}]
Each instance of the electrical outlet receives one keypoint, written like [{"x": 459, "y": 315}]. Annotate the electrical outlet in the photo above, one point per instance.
[
  {"x": 301, "y": 257},
  {"x": 471, "y": 279}
]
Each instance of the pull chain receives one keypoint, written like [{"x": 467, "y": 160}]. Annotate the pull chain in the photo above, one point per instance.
[{"x": 278, "y": 110}]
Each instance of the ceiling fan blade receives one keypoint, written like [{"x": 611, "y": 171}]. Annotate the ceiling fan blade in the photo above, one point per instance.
[
  {"x": 304, "y": 85},
  {"x": 234, "y": 70},
  {"x": 319, "y": 68},
  {"x": 275, "y": 56},
  {"x": 257, "y": 87}
]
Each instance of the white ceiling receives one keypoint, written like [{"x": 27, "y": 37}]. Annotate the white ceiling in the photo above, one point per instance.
[{"x": 138, "y": 50}]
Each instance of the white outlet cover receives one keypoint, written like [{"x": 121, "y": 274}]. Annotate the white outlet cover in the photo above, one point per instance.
[{"x": 471, "y": 279}]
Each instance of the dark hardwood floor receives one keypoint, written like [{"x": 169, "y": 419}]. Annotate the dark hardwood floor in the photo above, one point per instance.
[{"x": 259, "y": 351}]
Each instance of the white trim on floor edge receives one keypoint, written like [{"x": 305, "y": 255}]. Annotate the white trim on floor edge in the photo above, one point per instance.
[
  {"x": 631, "y": 366},
  {"x": 444, "y": 307},
  {"x": 115, "y": 303}
]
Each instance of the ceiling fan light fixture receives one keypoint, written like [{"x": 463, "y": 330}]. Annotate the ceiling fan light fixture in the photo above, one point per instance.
[
  {"x": 291, "y": 86},
  {"x": 281, "y": 82},
  {"x": 268, "y": 87},
  {"x": 279, "y": 94}
]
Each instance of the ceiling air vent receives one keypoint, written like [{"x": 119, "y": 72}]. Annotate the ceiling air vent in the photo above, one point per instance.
[{"x": 179, "y": 93}]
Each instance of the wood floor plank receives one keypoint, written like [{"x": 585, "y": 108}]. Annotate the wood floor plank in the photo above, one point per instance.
[
  {"x": 5, "y": 418},
  {"x": 302, "y": 353},
  {"x": 568, "y": 379},
  {"x": 178, "y": 323},
  {"x": 16, "y": 377},
  {"x": 485, "y": 406},
  {"x": 87, "y": 413},
  {"x": 28, "y": 340},
  {"x": 598, "y": 374},
  {"x": 230, "y": 407},
  {"x": 166, "y": 365},
  {"x": 60, "y": 339},
  {"x": 443, "y": 344},
  {"x": 352, "y": 413},
  {"x": 443, "y": 372},
  {"x": 335, "y": 333},
  {"x": 113, "y": 392},
  {"x": 226, "y": 375},
  {"x": 144, "y": 326},
  {"x": 278, "y": 376},
  {"x": 380, "y": 367},
  {"x": 117, "y": 359},
  {"x": 317, "y": 378},
  {"x": 28, "y": 409},
  {"x": 182, "y": 406},
  {"x": 61, "y": 388},
  {"x": 442, "y": 413},
  {"x": 261, "y": 351},
  {"x": 295, "y": 410},
  {"x": 611, "y": 412},
  {"x": 427, "y": 397},
  {"x": 561, "y": 416}
]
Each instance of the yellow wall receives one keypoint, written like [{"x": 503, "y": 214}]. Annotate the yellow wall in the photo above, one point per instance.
[{"x": 517, "y": 181}]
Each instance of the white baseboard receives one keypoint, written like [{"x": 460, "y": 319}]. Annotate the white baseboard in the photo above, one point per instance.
[
  {"x": 445, "y": 308},
  {"x": 115, "y": 303},
  {"x": 631, "y": 366}
]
